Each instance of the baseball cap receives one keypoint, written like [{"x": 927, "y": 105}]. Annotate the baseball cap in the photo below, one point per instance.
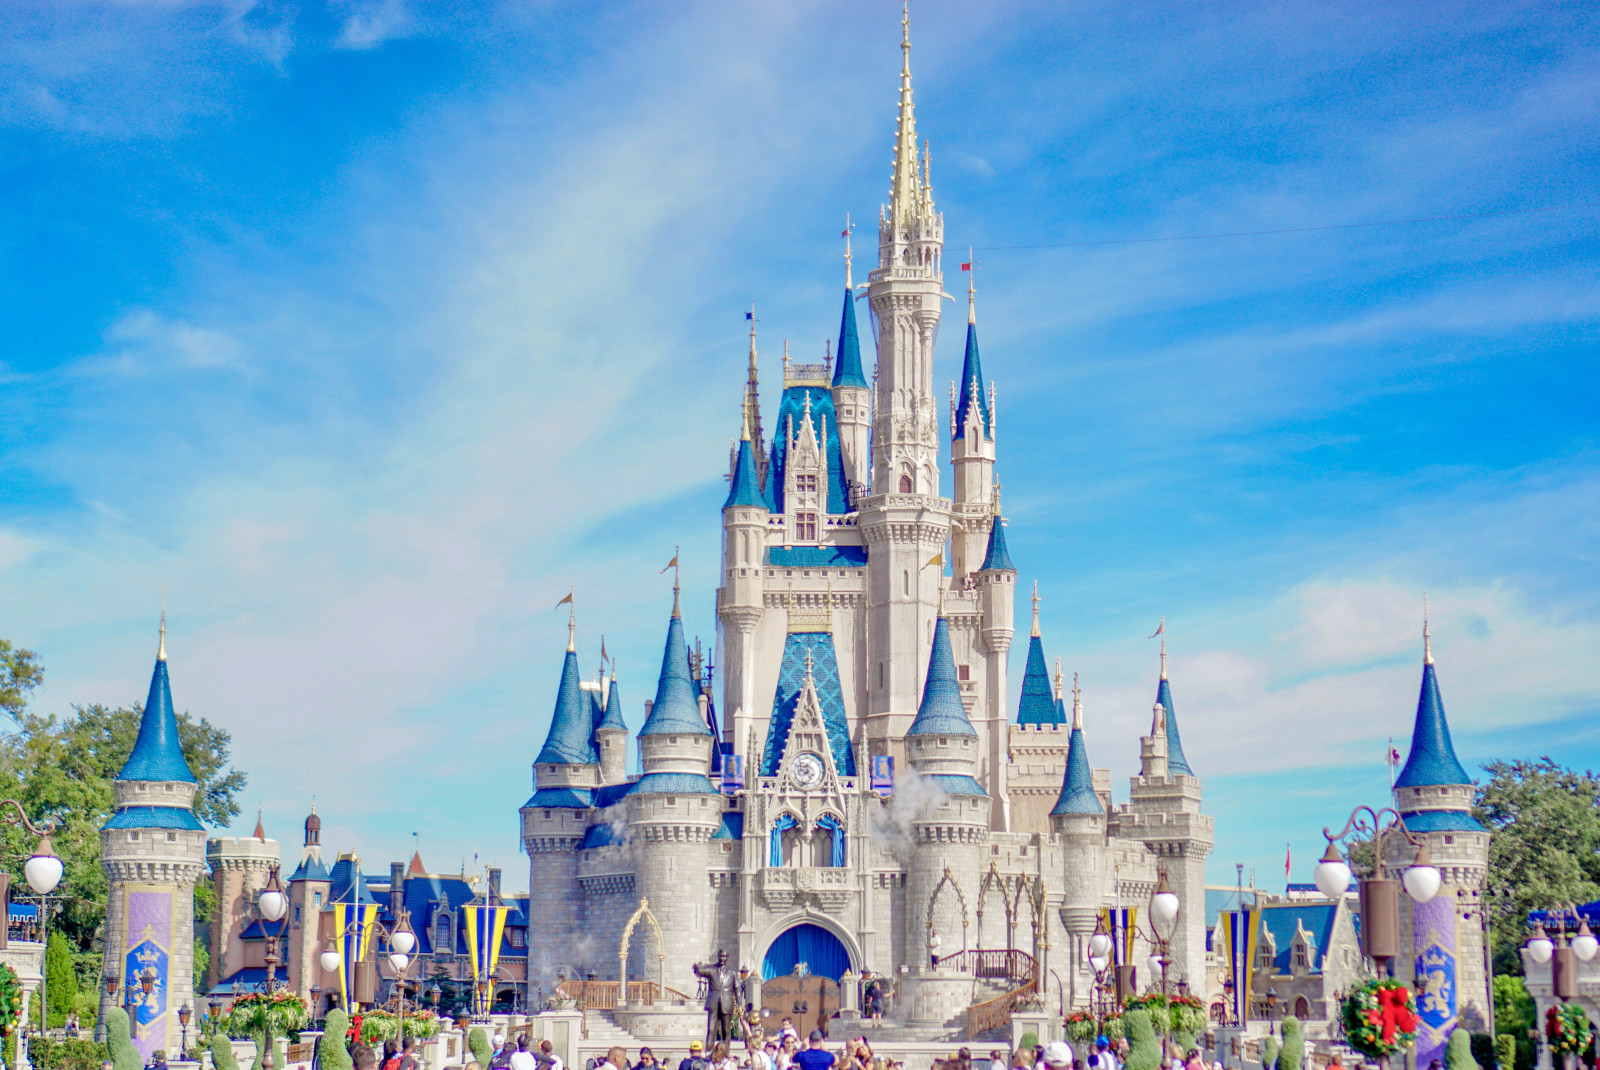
[
  {"x": 1057, "y": 1053},
  {"x": 1101, "y": 1042},
  {"x": 499, "y": 1038},
  {"x": 695, "y": 1045}
]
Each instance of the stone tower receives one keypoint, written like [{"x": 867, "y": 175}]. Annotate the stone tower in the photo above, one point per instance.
[
  {"x": 310, "y": 889},
  {"x": 1163, "y": 811},
  {"x": 852, "y": 397},
  {"x": 240, "y": 866},
  {"x": 153, "y": 852},
  {"x": 1079, "y": 823},
  {"x": 996, "y": 580},
  {"x": 1445, "y": 935}
]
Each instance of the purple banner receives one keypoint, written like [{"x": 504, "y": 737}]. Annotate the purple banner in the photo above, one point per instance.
[
  {"x": 1433, "y": 927},
  {"x": 148, "y": 945}
]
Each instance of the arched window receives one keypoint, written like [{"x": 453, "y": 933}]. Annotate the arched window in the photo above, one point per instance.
[
  {"x": 1302, "y": 1008},
  {"x": 781, "y": 848},
  {"x": 828, "y": 841},
  {"x": 905, "y": 484}
]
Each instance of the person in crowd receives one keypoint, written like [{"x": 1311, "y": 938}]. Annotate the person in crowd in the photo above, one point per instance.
[
  {"x": 1058, "y": 1055},
  {"x": 788, "y": 1030},
  {"x": 788, "y": 1046},
  {"x": 391, "y": 1054},
  {"x": 696, "y": 1059},
  {"x": 521, "y": 1057},
  {"x": 500, "y": 1058},
  {"x": 361, "y": 1057},
  {"x": 1107, "y": 1059},
  {"x": 616, "y": 1059},
  {"x": 813, "y": 1056},
  {"x": 408, "y": 1054},
  {"x": 722, "y": 1057},
  {"x": 755, "y": 1054},
  {"x": 647, "y": 1060},
  {"x": 1194, "y": 1061},
  {"x": 548, "y": 1059},
  {"x": 997, "y": 1059}
]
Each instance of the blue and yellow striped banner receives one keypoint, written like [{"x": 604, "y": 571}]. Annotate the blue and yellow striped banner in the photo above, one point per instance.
[
  {"x": 486, "y": 925},
  {"x": 1243, "y": 927},
  {"x": 354, "y": 922},
  {"x": 1122, "y": 923}
]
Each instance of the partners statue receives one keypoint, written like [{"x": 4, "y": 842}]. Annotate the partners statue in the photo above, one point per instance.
[{"x": 722, "y": 998}]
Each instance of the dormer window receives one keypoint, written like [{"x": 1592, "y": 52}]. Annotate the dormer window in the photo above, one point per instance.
[
  {"x": 805, "y": 526},
  {"x": 805, "y": 483}
]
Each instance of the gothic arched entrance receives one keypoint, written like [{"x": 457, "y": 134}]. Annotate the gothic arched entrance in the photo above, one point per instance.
[{"x": 800, "y": 978}]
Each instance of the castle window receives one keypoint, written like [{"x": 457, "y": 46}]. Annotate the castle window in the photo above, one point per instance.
[
  {"x": 905, "y": 582},
  {"x": 133, "y": 837},
  {"x": 963, "y": 672},
  {"x": 297, "y": 916},
  {"x": 1448, "y": 840},
  {"x": 805, "y": 527},
  {"x": 880, "y": 676},
  {"x": 519, "y": 938},
  {"x": 805, "y": 483},
  {"x": 1302, "y": 958},
  {"x": 172, "y": 837},
  {"x": 905, "y": 484},
  {"x": 316, "y": 900}
]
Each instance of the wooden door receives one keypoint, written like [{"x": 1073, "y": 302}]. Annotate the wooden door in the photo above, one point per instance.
[{"x": 807, "y": 1001}]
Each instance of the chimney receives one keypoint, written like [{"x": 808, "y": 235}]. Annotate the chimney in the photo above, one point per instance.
[
  {"x": 494, "y": 884},
  {"x": 397, "y": 887}
]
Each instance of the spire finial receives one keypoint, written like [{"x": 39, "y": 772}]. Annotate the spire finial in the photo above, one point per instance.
[
  {"x": 572, "y": 618},
  {"x": 752, "y": 396},
  {"x": 161, "y": 646},
  {"x": 849, "y": 260},
  {"x": 786, "y": 362},
  {"x": 1427, "y": 639},
  {"x": 905, "y": 36},
  {"x": 1077, "y": 703},
  {"x": 1163, "y": 657},
  {"x": 676, "y": 586},
  {"x": 941, "y": 597},
  {"x": 1058, "y": 679},
  {"x": 972, "y": 287},
  {"x": 1035, "y": 632},
  {"x": 907, "y": 199}
]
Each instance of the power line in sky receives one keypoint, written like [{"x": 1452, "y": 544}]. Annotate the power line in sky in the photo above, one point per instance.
[{"x": 1297, "y": 230}]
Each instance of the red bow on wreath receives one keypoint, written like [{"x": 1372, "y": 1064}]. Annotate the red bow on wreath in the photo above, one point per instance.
[
  {"x": 354, "y": 1032},
  {"x": 1394, "y": 1013}
]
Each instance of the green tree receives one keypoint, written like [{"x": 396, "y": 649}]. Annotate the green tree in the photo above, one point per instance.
[
  {"x": 124, "y": 1056},
  {"x": 1269, "y": 1052},
  {"x": 20, "y": 673},
  {"x": 1458, "y": 1051},
  {"x": 478, "y": 1044},
  {"x": 1545, "y": 848},
  {"x": 1515, "y": 1017},
  {"x": 332, "y": 1052},
  {"x": 60, "y": 980}
]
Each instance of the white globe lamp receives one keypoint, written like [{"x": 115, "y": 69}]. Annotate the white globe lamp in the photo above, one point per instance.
[
  {"x": 1422, "y": 878},
  {"x": 1540, "y": 947},
  {"x": 43, "y": 870},
  {"x": 1333, "y": 874}
]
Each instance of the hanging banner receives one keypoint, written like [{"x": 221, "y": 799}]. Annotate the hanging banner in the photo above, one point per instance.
[
  {"x": 1243, "y": 927},
  {"x": 354, "y": 923},
  {"x": 1433, "y": 927},
  {"x": 486, "y": 926},
  {"x": 1122, "y": 923},
  {"x": 148, "y": 946}
]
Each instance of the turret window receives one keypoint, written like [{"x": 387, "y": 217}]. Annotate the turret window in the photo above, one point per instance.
[
  {"x": 805, "y": 527},
  {"x": 905, "y": 484}
]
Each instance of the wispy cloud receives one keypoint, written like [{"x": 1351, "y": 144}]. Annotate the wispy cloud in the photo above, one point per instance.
[{"x": 369, "y": 24}]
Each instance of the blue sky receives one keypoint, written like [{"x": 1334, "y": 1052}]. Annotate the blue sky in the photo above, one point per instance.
[{"x": 366, "y": 327}]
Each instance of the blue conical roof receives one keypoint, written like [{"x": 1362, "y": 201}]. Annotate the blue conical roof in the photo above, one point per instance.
[
  {"x": 1038, "y": 706},
  {"x": 997, "y": 557},
  {"x": 571, "y": 738},
  {"x": 848, "y": 371},
  {"x": 1432, "y": 760},
  {"x": 830, "y": 697},
  {"x": 1176, "y": 762},
  {"x": 613, "y": 714},
  {"x": 941, "y": 712},
  {"x": 791, "y": 416},
  {"x": 746, "y": 485},
  {"x": 157, "y": 754},
  {"x": 1077, "y": 786},
  {"x": 968, "y": 394},
  {"x": 676, "y": 710}
]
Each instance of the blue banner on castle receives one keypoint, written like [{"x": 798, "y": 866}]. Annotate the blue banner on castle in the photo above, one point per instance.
[
  {"x": 883, "y": 774},
  {"x": 1433, "y": 927}
]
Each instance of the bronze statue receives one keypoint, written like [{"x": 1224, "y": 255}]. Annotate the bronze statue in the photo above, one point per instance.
[{"x": 722, "y": 998}]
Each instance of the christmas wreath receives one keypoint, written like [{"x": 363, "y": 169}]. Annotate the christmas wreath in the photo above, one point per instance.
[
  {"x": 1566, "y": 1026},
  {"x": 10, "y": 1000},
  {"x": 1380, "y": 1018}
]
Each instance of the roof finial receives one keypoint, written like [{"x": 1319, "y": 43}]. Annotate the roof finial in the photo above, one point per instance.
[
  {"x": 786, "y": 362},
  {"x": 261, "y": 832},
  {"x": 905, "y": 195},
  {"x": 1077, "y": 703},
  {"x": 161, "y": 647},
  {"x": 1058, "y": 679},
  {"x": 673, "y": 565},
  {"x": 572, "y": 618},
  {"x": 849, "y": 259},
  {"x": 1427, "y": 639},
  {"x": 972, "y": 287},
  {"x": 1163, "y": 657},
  {"x": 941, "y": 597},
  {"x": 752, "y": 396},
  {"x": 1035, "y": 632}
]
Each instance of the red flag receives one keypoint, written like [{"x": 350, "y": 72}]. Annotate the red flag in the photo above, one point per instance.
[
  {"x": 967, "y": 266},
  {"x": 845, "y": 233},
  {"x": 1287, "y": 849},
  {"x": 1394, "y": 756}
]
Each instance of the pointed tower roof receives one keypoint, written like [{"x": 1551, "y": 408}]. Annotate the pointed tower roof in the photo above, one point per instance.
[
  {"x": 613, "y": 715},
  {"x": 1432, "y": 760},
  {"x": 941, "y": 712},
  {"x": 908, "y": 193},
  {"x": 570, "y": 740},
  {"x": 676, "y": 709},
  {"x": 809, "y": 654},
  {"x": 997, "y": 558},
  {"x": 1038, "y": 705},
  {"x": 416, "y": 868},
  {"x": 157, "y": 754},
  {"x": 1077, "y": 786},
  {"x": 1176, "y": 762},
  {"x": 848, "y": 371},
  {"x": 260, "y": 833},
  {"x": 745, "y": 488},
  {"x": 970, "y": 390}
]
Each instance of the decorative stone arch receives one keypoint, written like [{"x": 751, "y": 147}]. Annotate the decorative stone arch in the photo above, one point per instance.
[
  {"x": 994, "y": 879},
  {"x": 933, "y": 900},
  {"x": 806, "y": 917},
  {"x": 1032, "y": 894},
  {"x": 642, "y": 913}
]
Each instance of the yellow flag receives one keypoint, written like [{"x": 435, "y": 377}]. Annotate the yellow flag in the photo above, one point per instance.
[
  {"x": 936, "y": 559},
  {"x": 671, "y": 564},
  {"x": 565, "y": 600}
]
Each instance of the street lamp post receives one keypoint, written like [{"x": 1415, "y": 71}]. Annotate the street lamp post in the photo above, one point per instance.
[
  {"x": 1100, "y": 962},
  {"x": 43, "y": 872},
  {"x": 1164, "y": 907},
  {"x": 402, "y": 942},
  {"x": 1562, "y": 954},
  {"x": 184, "y": 1014}
]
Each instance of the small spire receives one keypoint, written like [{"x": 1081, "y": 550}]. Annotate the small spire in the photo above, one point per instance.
[
  {"x": 572, "y": 618},
  {"x": 1077, "y": 703},
  {"x": 676, "y": 586},
  {"x": 972, "y": 287},
  {"x": 161, "y": 646},
  {"x": 1035, "y": 631},
  {"x": 752, "y": 396},
  {"x": 941, "y": 597},
  {"x": 786, "y": 362},
  {"x": 1427, "y": 639},
  {"x": 849, "y": 258},
  {"x": 1163, "y": 657},
  {"x": 261, "y": 832},
  {"x": 1058, "y": 678}
]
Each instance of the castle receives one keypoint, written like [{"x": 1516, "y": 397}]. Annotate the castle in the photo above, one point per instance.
[{"x": 860, "y": 799}]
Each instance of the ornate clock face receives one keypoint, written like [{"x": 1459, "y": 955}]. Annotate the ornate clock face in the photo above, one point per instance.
[{"x": 807, "y": 771}]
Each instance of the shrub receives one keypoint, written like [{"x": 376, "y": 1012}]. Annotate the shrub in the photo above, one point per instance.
[
  {"x": 1293, "y": 1053},
  {"x": 124, "y": 1056},
  {"x": 1505, "y": 1051},
  {"x": 478, "y": 1041},
  {"x": 66, "y": 1054},
  {"x": 1458, "y": 1052},
  {"x": 1144, "y": 1053},
  {"x": 1269, "y": 1052},
  {"x": 222, "y": 1051},
  {"x": 332, "y": 1054},
  {"x": 1030, "y": 1040}
]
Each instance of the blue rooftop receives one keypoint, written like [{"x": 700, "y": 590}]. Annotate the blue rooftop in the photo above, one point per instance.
[
  {"x": 848, "y": 371},
  {"x": 1038, "y": 705},
  {"x": 613, "y": 713},
  {"x": 676, "y": 709},
  {"x": 154, "y": 817},
  {"x": 571, "y": 737},
  {"x": 732, "y": 827},
  {"x": 674, "y": 784},
  {"x": 601, "y": 835},
  {"x": 1442, "y": 821},
  {"x": 745, "y": 488},
  {"x": 157, "y": 754},
  {"x": 1176, "y": 762},
  {"x": 1077, "y": 785},
  {"x": 941, "y": 712},
  {"x": 817, "y": 556},
  {"x": 969, "y": 392},
  {"x": 1280, "y": 919},
  {"x": 1432, "y": 760},
  {"x": 349, "y": 886},
  {"x": 830, "y": 695},
  {"x": 957, "y": 784},
  {"x": 611, "y": 794},
  {"x": 997, "y": 557},
  {"x": 562, "y": 798},
  {"x": 792, "y": 407},
  {"x": 309, "y": 869}
]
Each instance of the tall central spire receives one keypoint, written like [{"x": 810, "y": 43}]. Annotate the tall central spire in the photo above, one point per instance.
[{"x": 905, "y": 194}]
